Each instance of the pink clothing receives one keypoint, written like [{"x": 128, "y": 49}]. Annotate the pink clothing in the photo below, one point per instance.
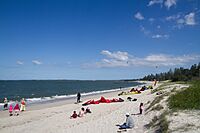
[
  {"x": 16, "y": 107},
  {"x": 10, "y": 108}
]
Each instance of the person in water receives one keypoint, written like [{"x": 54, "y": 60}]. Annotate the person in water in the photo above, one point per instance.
[
  {"x": 129, "y": 122},
  {"x": 78, "y": 97},
  {"x": 23, "y": 104},
  {"x": 5, "y": 103},
  {"x": 74, "y": 115}
]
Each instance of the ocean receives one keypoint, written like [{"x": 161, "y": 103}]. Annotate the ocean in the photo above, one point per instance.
[{"x": 44, "y": 90}]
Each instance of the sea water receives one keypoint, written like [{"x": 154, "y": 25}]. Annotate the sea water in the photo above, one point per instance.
[{"x": 43, "y": 90}]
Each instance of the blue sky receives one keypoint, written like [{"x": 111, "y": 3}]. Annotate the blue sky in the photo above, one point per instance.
[{"x": 97, "y": 39}]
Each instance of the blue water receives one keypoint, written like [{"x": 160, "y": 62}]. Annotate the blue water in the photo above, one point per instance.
[{"x": 34, "y": 89}]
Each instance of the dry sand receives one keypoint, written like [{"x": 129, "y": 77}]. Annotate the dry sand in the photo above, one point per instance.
[{"x": 54, "y": 117}]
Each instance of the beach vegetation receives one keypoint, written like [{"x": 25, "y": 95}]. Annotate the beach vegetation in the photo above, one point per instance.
[
  {"x": 154, "y": 102},
  {"x": 159, "y": 123},
  {"x": 178, "y": 74},
  {"x": 189, "y": 98},
  {"x": 152, "y": 122},
  {"x": 157, "y": 107}
]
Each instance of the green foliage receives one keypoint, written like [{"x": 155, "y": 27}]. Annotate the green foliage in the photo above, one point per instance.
[
  {"x": 186, "y": 99},
  {"x": 163, "y": 123},
  {"x": 160, "y": 123},
  {"x": 178, "y": 74}
]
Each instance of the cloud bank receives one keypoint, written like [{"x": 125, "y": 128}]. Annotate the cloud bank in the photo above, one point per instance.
[{"x": 124, "y": 59}]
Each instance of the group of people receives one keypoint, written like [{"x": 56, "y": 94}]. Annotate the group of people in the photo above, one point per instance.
[
  {"x": 14, "y": 108},
  {"x": 81, "y": 113}
]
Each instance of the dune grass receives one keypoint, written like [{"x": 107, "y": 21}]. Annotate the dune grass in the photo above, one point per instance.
[
  {"x": 186, "y": 99},
  {"x": 160, "y": 123}
]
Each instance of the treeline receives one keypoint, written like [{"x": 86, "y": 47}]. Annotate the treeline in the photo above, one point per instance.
[{"x": 178, "y": 74}]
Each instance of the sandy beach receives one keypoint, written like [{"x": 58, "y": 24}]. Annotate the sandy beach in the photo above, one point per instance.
[{"x": 54, "y": 117}]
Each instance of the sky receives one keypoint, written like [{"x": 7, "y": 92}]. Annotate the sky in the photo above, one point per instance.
[{"x": 97, "y": 39}]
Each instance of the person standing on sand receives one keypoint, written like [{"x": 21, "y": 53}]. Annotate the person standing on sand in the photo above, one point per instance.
[
  {"x": 23, "y": 104},
  {"x": 141, "y": 108},
  {"x": 129, "y": 122},
  {"x": 5, "y": 103},
  {"x": 78, "y": 97},
  {"x": 155, "y": 82},
  {"x": 16, "y": 108},
  {"x": 10, "y": 110}
]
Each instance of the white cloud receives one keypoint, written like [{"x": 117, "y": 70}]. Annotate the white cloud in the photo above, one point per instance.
[
  {"x": 181, "y": 20},
  {"x": 150, "y": 60},
  {"x": 152, "y": 2},
  {"x": 190, "y": 19},
  {"x": 154, "y": 36},
  {"x": 36, "y": 62},
  {"x": 159, "y": 58},
  {"x": 169, "y": 3},
  {"x": 120, "y": 56},
  {"x": 173, "y": 17},
  {"x": 139, "y": 16},
  {"x": 158, "y": 36},
  {"x": 20, "y": 63}
]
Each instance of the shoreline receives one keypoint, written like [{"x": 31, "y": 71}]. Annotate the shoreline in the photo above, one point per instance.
[
  {"x": 72, "y": 100},
  {"x": 55, "y": 98},
  {"x": 54, "y": 117}
]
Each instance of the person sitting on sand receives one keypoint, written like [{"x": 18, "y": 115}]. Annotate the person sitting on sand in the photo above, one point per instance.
[
  {"x": 16, "y": 108},
  {"x": 129, "y": 122},
  {"x": 5, "y": 103},
  {"x": 88, "y": 110},
  {"x": 10, "y": 110},
  {"x": 141, "y": 108},
  {"x": 23, "y": 104},
  {"x": 74, "y": 115},
  {"x": 81, "y": 112}
]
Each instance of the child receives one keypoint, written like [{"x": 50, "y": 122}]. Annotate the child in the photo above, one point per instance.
[
  {"x": 81, "y": 113},
  {"x": 74, "y": 115},
  {"x": 141, "y": 108},
  {"x": 22, "y": 105},
  {"x": 11, "y": 110},
  {"x": 16, "y": 108}
]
